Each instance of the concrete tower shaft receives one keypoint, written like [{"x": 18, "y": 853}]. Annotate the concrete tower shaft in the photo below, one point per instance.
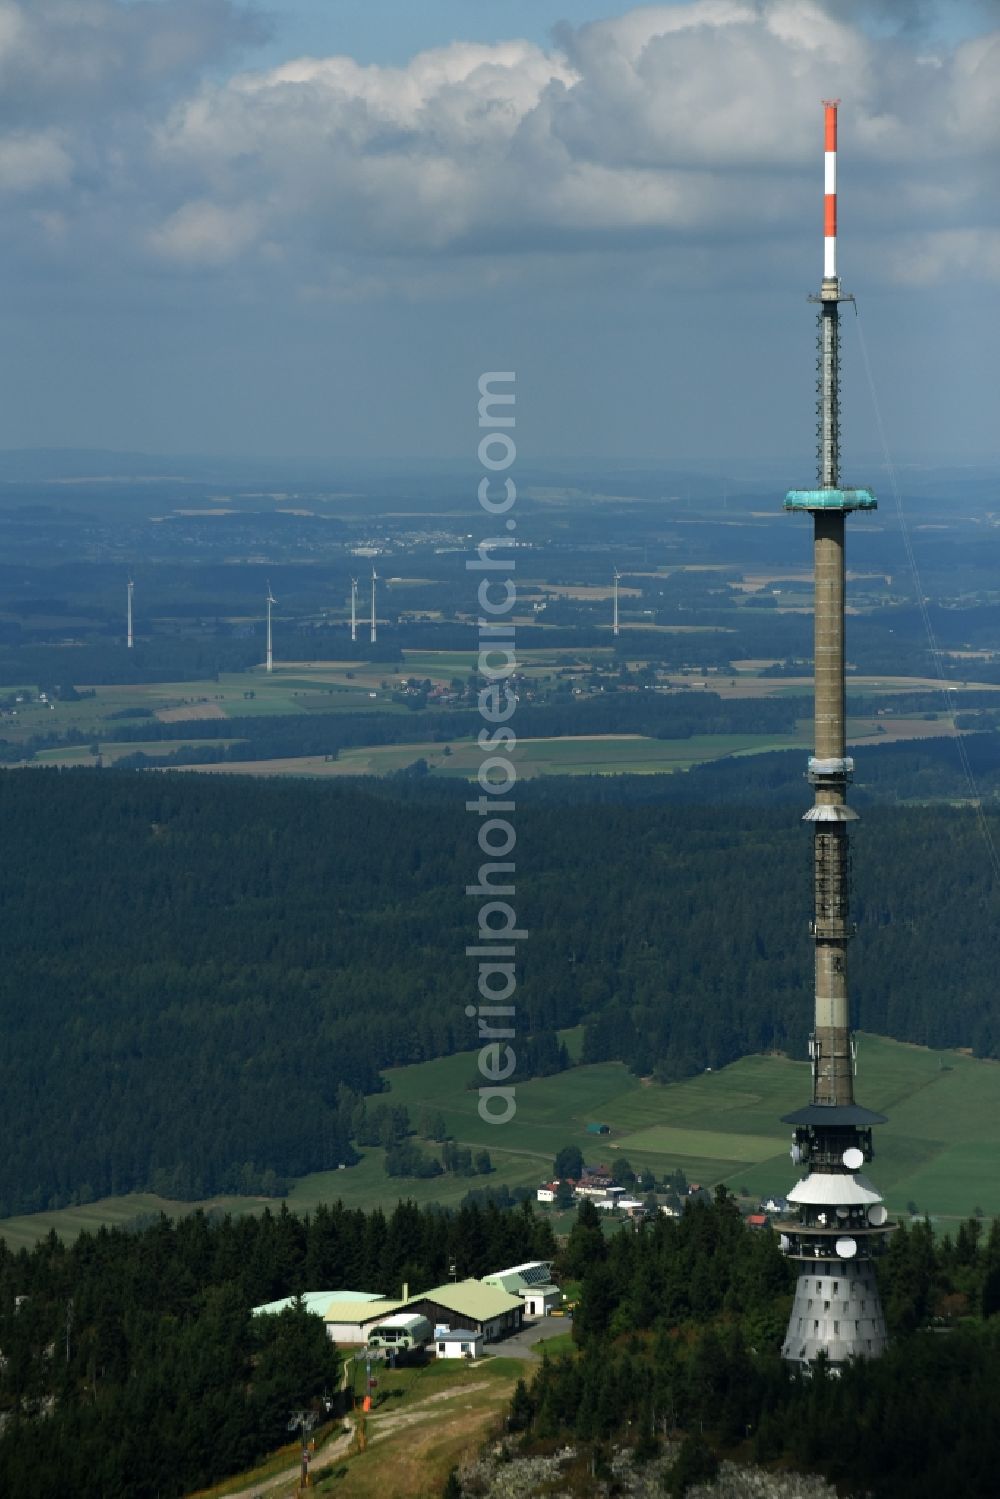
[
  {"x": 829, "y": 585},
  {"x": 830, "y": 767}
]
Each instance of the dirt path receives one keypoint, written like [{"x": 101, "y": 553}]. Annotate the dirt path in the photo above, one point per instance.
[
  {"x": 286, "y": 1482},
  {"x": 384, "y": 1426}
]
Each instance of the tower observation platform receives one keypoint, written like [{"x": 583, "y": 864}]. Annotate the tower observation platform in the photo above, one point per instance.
[{"x": 830, "y": 499}]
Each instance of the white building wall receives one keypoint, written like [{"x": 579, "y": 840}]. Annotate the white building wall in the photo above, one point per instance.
[
  {"x": 458, "y": 1347},
  {"x": 347, "y": 1332}
]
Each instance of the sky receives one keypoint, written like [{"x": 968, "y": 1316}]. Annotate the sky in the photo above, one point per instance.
[{"x": 305, "y": 228}]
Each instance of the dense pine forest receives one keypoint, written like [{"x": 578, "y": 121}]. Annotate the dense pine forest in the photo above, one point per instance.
[
  {"x": 182, "y": 953},
  {"x": 132, "y": 1366},
  {"x": 678, "y": 1328}
]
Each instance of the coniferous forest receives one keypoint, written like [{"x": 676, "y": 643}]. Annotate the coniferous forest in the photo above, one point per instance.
[
  {"x": 678, "y": 1329},
  {"x": 139, "y": 1349},
  {"x": 181, "y": 953}
]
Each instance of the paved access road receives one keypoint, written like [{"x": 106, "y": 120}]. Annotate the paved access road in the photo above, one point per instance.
[{"x": 522, "y": 1345}]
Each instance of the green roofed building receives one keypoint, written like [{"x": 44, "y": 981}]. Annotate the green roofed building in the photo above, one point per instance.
[
  {"x": 351, "y": 1314},
  {"x": 472, "y": 1304}
]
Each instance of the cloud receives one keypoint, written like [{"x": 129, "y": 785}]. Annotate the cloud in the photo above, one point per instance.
[
  {"x": 686, "y": 122},
  {"x": 691, "y": 128},
  {"x": 32, "y": 161},
  {"x": 205, "y": 233},
  {"x": 948, "y": 255},
  {"x": 71, "y": 59}
]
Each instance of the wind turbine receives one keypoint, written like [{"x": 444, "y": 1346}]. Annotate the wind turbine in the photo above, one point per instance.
[
  {"x": 131, "y": 637},
  {"x": 614, "y": 627},
  {"x": 271, "y": 600},
  {"x": 374, "y": 616},
  {"x": 354, "y": 608}
]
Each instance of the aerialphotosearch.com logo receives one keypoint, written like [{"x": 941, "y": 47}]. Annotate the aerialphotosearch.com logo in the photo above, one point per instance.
[{"x": 498, "y": 932}]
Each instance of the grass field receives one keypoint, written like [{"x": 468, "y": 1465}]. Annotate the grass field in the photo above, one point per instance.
[
  {"x": 417, "y": 1436},
  {"x": 113, "y": 750},
  {"x": 747, "y": 684},
  {"x": 294, "y": 689},
  {"x": 113, "y": 1212},
  {"x": 595, "y": 754},
  {"x": 940, "y": 1149},
  {"x": 424, "y": 1418},
  {"x": 423, "y": 1421},
  {"x": 606, "y": 754}
]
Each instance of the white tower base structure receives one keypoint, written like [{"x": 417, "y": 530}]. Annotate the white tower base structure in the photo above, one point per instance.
[
  {"x": 837, "y": 1309},
  {"x": 840, "y": 1221}
]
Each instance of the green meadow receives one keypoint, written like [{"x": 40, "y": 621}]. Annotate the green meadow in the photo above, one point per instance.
[
  {"x": 939, "y": 1150},
  {"x": 630, "y": 754},
  {"x": 112, "y": 1212}
]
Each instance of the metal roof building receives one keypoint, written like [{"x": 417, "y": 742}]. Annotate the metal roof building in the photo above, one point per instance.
[
  {"x": 317, "y": 1302},
  {"x": 350, "y": 1315},
  {"x": 532, "y": 1282},
  {"x": 482, "y": 1308}
]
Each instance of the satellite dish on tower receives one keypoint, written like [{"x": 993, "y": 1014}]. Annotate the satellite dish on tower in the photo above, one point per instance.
[
  {"x": 846, "y": 1249},
  {"x": 877, "y": 1215},
  {"x": 853, "y": 1158}
]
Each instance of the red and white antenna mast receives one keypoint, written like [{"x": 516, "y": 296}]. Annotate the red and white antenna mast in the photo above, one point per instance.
[{"x": 830, "y": 191}]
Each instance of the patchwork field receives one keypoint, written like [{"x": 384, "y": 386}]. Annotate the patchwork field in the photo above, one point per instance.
[
  {"x": 586, "y": 754},
  {"x": 750, "y": 685},
  {"x": 113, "y": 1212},
  {"x": 111, "y": 750},
  {"x": 301, "y": 688},
  {"x": 606, "y": 754},
  {"x": 939, "y": 1150}
]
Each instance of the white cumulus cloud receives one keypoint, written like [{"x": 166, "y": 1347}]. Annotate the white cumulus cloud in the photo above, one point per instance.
[
  {"x": 687, "y": 121},
  {"x": 695, "y": 128}
]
